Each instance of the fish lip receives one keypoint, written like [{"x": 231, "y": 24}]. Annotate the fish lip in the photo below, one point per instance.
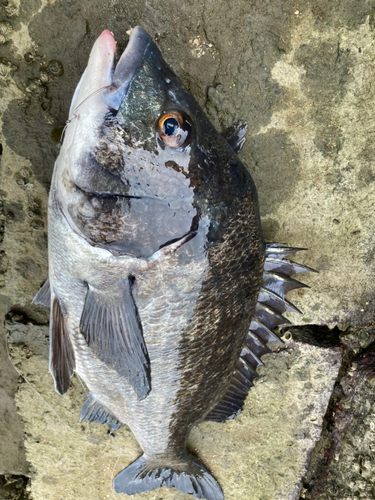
[{"x": 127, "y": 67}]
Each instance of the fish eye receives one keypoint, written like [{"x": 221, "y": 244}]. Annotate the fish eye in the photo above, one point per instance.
[
  {"x": 174, "y": 129},
  {"x": 170, "y": 126}
]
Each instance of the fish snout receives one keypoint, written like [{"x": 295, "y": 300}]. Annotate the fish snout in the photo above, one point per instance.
[{"x": 127, "y": 67}]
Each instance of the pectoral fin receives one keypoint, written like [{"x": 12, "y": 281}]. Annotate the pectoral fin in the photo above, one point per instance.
[
  {"x": 62, "y": 360},
  {"x": 235, "y": 135},
  {"x": 112, "y": 328}
]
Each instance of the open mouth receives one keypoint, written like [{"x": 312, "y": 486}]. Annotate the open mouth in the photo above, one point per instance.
[{"x": 127, "y": 67}]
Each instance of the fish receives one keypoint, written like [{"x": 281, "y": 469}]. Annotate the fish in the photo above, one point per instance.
[{"x": 162, "y": 291}]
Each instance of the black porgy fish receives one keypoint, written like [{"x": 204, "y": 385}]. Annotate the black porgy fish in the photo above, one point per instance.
[{"x": 163, "y": 293}]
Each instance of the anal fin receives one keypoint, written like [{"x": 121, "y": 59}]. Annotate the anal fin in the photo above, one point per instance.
[
  {"x": 271, "y": 305},
  {"x": 112, "y": 328},
  {"x": 62, "y": 359},
  {"x": 92, "y": 411}
]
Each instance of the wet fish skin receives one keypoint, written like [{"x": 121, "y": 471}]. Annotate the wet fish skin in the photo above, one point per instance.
[{"x": 156, "y": 260}]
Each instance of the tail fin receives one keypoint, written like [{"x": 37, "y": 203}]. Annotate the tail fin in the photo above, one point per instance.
[{"x": 189, "y": 477}]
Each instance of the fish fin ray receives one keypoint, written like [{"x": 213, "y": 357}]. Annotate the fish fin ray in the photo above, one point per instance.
[
  {"x": 235, "y": 135},
  {"x": 269, "y": 316},
  {"x": 271, "y": 305},
  {"x": 113, "y": 330},
  {"x": 93, "y": 411},
  {"x": 242, "y": 380},
  {"x": 280, "y": 250},
  {"x": 286, "y": 267},
  {"x": 271, "y": 299},
  {"x": 258, "y": 328},
  {"x": 43, "y": 295},
  {"x": 277, "y": 276},
  {"x": 62, "y": 359},
  {"x": 280, "y": 283},
  {"x": 190, "y": 477}
]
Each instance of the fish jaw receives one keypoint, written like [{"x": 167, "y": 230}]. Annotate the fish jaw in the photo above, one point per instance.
[
  {"x": 98, "y": 73},
  {"x": 102, "y": 88},
  {"x": 88, "y": 108},
  {"x": 127, "y": 67}
]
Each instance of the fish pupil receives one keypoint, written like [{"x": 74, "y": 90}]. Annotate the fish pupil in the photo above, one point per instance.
[{"x": 170, "y": 126}]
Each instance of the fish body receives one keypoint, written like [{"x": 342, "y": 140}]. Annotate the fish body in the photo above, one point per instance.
[{"x": 156, "y": 264}]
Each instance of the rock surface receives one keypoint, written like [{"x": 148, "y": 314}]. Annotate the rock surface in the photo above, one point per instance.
[
  {"x": 346, "y": 451},
  {"x": 263, "y": 453},
  {"x": 301, "y": 74},
  {"x": 12, "y": 450}
]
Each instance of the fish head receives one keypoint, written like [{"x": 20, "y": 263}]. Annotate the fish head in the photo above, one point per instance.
[{"x": 145, "y": 164}]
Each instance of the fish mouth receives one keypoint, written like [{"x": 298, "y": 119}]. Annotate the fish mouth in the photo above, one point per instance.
[
  {"x": 127, "y": 67},
  {"x": 104, "y": 195}
]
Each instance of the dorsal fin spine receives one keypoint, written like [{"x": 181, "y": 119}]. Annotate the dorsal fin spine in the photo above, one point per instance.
[{"x": 271, "y": 305}]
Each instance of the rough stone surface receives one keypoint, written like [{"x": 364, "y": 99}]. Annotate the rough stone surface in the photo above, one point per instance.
[
  {"x": 263, "y": 454},
  {"x": 12, "y": 450},
  {"x": 301, "y": 74},
  {"x": 346, "y": 451}
]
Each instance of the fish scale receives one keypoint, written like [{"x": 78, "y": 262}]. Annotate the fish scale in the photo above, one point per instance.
[{"x": 164, "y": 294}]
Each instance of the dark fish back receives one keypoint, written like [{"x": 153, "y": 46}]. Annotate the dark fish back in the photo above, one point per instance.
[{"x": 211, "y": 346}]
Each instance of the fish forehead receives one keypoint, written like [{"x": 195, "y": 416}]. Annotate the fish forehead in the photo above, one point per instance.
[{"x": 154, "y": 90}]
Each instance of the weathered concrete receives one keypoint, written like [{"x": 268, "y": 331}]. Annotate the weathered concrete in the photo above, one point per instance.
[{"x": 342, "y": 465}]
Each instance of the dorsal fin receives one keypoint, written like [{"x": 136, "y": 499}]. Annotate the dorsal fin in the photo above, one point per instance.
[
  {"x": 271, "y": 299},
  {"x": 280, "y": 250},
  {"x": 279, "y": 283},
  {"x": 271, "y": 305}
]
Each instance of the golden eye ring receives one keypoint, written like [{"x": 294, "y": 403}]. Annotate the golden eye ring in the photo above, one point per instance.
[{"x": 174, "y": 129}]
